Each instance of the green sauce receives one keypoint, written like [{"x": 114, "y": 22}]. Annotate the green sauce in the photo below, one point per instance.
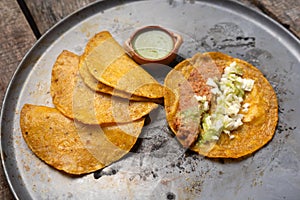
[{"x": 153, "y": 44}]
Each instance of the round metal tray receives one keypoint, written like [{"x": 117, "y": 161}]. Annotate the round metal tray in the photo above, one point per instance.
[{"x": 157, "y": 168}]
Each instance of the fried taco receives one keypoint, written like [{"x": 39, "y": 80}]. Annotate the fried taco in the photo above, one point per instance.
[
  {"x": 76, "y": 100},
  {"x": 109, "y": 64},
  {"x": 73, "y": 147},
  {"x": 219, "y": 106},
  {"x": 97, "y": 86}
]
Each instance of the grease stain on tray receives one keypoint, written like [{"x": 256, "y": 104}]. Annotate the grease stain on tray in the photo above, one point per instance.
[
  {"x": 226, "y": 35},
  {"x": 89, "y": 29}
]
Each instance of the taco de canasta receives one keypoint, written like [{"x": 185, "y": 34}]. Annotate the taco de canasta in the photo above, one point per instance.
[{"x": 74, "y": 147}]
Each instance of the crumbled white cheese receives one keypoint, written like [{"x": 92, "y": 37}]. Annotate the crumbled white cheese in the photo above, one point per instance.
[
  {"x": 211, "y": 82},
  {"x": 215, "y": 91},
  {"x": 231, "y": 137},
  {"x": 245, "y": 107},
  {"x": 205, "y": 106},
  {"x": 214, "y": 137},
  {"x": 203, "y": 103},
  {"x": 233, "y": 64},
  {"x": 229, "y": 92},
  {"x": 247, "y": 84},
  {"x": 200, "y": 98}
]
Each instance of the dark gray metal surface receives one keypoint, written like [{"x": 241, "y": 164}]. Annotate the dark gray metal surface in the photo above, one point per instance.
[{"x": 157, "y": 168}]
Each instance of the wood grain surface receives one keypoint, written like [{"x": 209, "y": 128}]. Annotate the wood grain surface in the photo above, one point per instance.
[
  {"x": 14, "y": 41},
  {"x": 286, "y": 12},
  {"x": 47, "y": 13},
  {"x": 17, "y": 36}
]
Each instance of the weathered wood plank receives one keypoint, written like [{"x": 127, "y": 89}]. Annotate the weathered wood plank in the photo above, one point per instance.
[
  {"x": 285, "y": 12},
  {"x": 16, "y": 38},
  {"x": 47, "y": 13}
]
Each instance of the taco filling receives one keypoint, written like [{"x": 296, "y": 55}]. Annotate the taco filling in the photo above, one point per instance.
[
  {"x": 220, "y": 106},
  {"x": 229, "y": 93}
]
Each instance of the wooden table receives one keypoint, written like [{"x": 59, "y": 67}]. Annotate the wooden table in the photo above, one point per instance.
[{"x": 24, "y": 21}]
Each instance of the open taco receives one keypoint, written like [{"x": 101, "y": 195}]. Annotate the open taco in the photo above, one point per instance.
[{"x": 219, "y": 106}]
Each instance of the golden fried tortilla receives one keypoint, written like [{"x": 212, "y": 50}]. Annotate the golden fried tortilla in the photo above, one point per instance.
[
  {"x": 97, "y": 86},
  {"x": 259, "y": 123},
  {"x": 76, "y": 100},
  {"x": 108, "y": 63},
  {"x": 73, "y": 147}
]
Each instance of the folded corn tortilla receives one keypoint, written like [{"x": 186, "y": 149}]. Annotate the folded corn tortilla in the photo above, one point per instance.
[
  {"x": 108, "y": 63},
  {"x": 77, "y": 101},
  {"x": 73, "y": 147}
]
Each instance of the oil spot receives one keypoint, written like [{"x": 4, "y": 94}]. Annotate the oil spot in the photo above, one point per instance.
[
  {"x": 257, "y": 57},
  {"x": 154, "y": 175},
  {"x": 70, "y": 195},
  {"x": 144, "y": 175},
  {"x": 27, "y": 168},
  {"x": 88, "y": 28},
  {"x": 105, "y": 172},
  {"x": 227, "y": 36},
  {"x": 78, "y": 49},
  {"x": 172, "y": 3},
  {"x": 171, "y": 196},
  {"x": 196, "y": 186}
]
